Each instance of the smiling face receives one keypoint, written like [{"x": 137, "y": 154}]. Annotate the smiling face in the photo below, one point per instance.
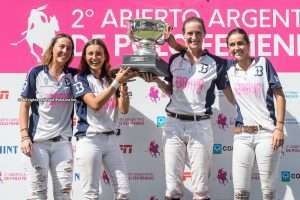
[
  {"x": 95, "y": 57},
  {"x": 193, "y": 35},
  {"x": 62, "y": 51},
  {"x": 238, "y": 46}
]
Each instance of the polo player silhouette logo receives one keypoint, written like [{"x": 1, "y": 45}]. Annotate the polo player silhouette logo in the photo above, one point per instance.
[
  {"x": 222, "y": 121},
  {"x": 222, "y": 176},
  {"x": 153, "y": 149},
  {"x": 153, "y": 94},
  {"x": 40, "y": 31},
  {"x": 105, "y": 177}
]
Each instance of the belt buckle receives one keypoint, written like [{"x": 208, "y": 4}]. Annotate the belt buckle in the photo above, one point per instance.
[
  {"x": 56, "y": 139},
  {"x": 176, "y": 115}
]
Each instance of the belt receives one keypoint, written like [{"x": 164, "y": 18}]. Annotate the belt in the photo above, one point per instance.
[
  {"x": 116, "y": 132},
  {"x": 247, "y": 129},
  {"x": 108, "y": 132},
  {"x": 187, "y": 117},
  {"x": 59, "y": 138}
]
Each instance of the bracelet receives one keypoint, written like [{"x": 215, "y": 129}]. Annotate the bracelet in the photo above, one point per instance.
[
  {"x": 125, "y": 96},
  {"x": 280, "y": 122},
  {"x": 115, "y": 84},
  {"x": 23, "y": 138},
  {"x": 23, "y": 129}
]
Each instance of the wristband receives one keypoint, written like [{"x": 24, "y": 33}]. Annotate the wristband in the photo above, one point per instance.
[
  {"x": 125, "y": 96},
  {"x": 23, "y": 138},
  {"x": 280, "y": 122},
  {"x": 115, "y": 84}
]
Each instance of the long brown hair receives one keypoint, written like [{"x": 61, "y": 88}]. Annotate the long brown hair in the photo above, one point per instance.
[
  {"x": 105, "y": 69},
  {"x": 48, "y": 55}
]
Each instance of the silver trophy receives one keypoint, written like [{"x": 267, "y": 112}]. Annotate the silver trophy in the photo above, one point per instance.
[{"x": 146, "y": 34}]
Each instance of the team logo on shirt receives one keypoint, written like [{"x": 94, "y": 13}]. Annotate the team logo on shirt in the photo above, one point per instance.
[
  {"x": 259, "y": 71},
  {"x": 78, "y": 88},
  {"x": 67, "y": 81},
  {"x": 203, "y": 68}
]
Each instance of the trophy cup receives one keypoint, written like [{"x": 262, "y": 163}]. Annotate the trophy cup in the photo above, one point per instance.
[{"x": 146, "y": 34}]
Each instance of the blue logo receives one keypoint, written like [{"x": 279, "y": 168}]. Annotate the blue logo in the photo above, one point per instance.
[
  {"x": 160, "y": 121},
  {"x": 285, "y": 176},
  {"x": 217, "y": 149}
]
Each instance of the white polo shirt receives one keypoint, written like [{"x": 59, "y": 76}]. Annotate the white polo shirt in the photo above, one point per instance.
[
  {"x": 92, "y": 122},
  {"x": 193, "y": 85},
  {"x": 51, "y": 103},
  {"x": 253, "y": 91}
]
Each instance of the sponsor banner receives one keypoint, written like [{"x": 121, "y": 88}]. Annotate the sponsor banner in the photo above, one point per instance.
[{"x": 35, "y": 23}]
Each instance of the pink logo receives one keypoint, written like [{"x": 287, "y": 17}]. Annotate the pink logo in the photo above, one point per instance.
[
  {"x": 153, "y": 149},
  {"x": 222, "y": 176},
  {"x": 153, "y": 94},
  {"x": 110, "y": 104},
  {"x": 105, "y": 177},
  {"x": 193, "y": 85},
  {"x": 222, "y": 121},
  {"x": 40, "y": 31}
]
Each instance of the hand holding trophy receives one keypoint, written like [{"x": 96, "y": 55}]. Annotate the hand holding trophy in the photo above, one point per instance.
[{"x": 147, "y": 34}]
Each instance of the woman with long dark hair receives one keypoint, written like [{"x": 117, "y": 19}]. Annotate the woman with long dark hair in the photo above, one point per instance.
[
  {"x": 259, "y": 130},
  {"x": 99, "y": 98}
]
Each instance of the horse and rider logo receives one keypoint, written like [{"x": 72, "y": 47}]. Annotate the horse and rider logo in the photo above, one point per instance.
[
  {"x": 154, "y": 149},
  {"x": 154, "y": 94},
  {"x": 222, "y": 121},
  {"x": 222, "y": 176},
  {"x": 40, "y": 30}
]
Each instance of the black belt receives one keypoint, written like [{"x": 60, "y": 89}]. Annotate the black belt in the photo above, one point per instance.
[
  {"x": 59, "y": 138},
  {"x": 108, "y": 132},
  {"x": 116, "y": 132},
  {"x": 188, "y": 117}
]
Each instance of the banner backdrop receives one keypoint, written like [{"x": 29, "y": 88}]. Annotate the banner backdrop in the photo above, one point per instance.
[{"x": 28, "y": 26}]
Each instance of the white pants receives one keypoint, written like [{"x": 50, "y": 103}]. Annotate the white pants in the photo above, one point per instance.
[
  {"x": 194, "y": 139},
  {"x": 90, "y": 153},
  {"x": 246, "y": 149},
  {"x": 56, "y": 157}
]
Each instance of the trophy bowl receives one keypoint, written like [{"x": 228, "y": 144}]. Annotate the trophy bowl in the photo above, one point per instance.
[{"x": 146, "y": 34}]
